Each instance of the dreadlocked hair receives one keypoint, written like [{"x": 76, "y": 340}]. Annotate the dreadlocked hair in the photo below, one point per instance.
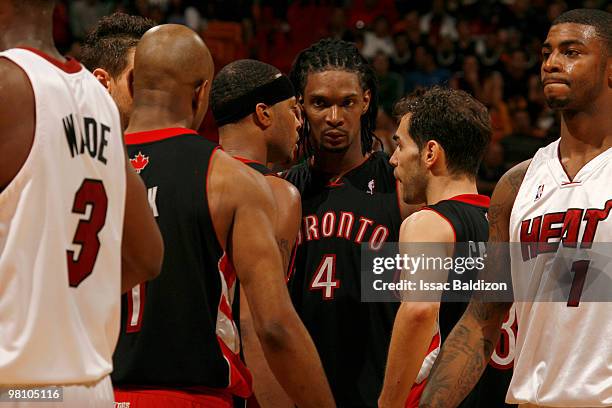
[{"x": 336, "y": 55}]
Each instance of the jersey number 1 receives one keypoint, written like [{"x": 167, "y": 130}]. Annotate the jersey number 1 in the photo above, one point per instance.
[
  {"x": 91, "y": 193},
  {"x": 324, "y": 278}
]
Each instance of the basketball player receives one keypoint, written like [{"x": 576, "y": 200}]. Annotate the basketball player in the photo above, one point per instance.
[
  {"x": 349, "y": 197},
  {"x": 254, "y": 106},
  {"x": 179, "y": 344},
  {"x": 108, "y": 52},
  {"x": 562, "y": 357},
  {"x": 441, "y": 140},
  {"x": 73, "y": 216}
]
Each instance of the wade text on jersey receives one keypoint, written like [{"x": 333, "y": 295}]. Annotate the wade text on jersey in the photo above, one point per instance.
[{"x": 92, "y": 137}]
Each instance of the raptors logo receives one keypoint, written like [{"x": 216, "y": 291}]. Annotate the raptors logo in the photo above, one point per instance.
[{"x": 139, "y": 162}]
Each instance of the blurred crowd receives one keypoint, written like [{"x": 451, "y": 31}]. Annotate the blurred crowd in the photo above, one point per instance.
[{"x": 490, "y": 49}]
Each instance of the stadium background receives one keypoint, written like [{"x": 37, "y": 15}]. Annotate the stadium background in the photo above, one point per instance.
[{"x": 489, "y": 48}]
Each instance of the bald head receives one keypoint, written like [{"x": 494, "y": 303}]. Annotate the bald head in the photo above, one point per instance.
[
  {"x": 171, "y": 56},
  {"x": 173, "y": 70}
]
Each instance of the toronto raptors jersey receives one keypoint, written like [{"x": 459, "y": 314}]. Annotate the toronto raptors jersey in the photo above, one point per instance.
[
  {"x": 178, "y": 330},
  {"x": 61, "y": 223},
  {"x": 352, "y": 337},
  {"x": 467, "y": 216},
  {"x": 563, "y": 347}
]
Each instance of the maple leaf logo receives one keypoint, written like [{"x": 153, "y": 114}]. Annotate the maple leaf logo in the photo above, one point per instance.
[{"x": 139, "y": 162}]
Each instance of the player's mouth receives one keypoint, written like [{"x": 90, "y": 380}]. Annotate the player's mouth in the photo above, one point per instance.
[{"x": 555, "y": 81}]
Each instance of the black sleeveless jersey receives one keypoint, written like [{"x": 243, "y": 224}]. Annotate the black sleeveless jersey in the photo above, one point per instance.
[
  {"x": 352, "y": 337},
  {"x": 178, "y": 329},
  {"x": 467, "y": 215}
]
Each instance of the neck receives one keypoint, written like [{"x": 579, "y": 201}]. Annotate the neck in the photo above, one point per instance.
[
  {"x": 339, "y": 163},
  {"x": 159, "y": 110},
  {"x": 31, "y": 32},
  {"x": 584, "y": 135},
  {"x": 449, "y": 186},
  {"x": 243, "y": 141}
]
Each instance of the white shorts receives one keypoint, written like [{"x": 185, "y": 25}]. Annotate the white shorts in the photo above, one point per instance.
[{"x": 91, "y": 395}]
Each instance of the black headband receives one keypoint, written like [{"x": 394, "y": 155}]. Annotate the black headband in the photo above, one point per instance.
[{"x": 271, "y": 93}]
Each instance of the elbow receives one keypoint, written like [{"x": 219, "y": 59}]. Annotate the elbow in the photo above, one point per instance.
[
  {"x": 419, "y": 313},
  {"x": 273, "y": 336}
]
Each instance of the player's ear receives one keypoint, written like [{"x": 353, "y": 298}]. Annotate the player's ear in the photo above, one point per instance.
[
  {"x": 103, "y": 77},
  {"x": 432, "y": 153},
  {"x": 200, "y": 102},
  {"x": 367, "y": 96},
  {"x": 263, "y": 115}
]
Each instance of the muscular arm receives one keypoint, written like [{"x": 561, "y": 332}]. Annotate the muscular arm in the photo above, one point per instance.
[
  {"x": 466, "y": 353},
  {"x": 17, "y": 120},
  {"x": 251, "y": 244},
  {"x": 415, "y": 322},
  {"x": 268, "y": 391}
]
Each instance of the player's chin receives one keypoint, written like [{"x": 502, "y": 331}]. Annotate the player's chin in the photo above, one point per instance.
[{"x": 335, "y": 148}]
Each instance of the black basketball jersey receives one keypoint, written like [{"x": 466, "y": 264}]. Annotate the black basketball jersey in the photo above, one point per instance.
[
  {"x": 467, "y": 215},
  {"x": 178, "y": 330},
  {"x": 352, "y": 337}
]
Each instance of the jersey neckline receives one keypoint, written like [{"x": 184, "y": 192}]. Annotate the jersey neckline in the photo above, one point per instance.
[
  {"x": 247, "y": 161},
  {"x": 71, "y": 66},
  {"x": 473, "y": 199},
  {"x": 156, "y": 135}
]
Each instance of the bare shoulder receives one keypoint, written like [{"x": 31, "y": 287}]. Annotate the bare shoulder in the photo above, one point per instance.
[
  {"x": 284, "y": 192},
  {"x": 502, "y": 201},
  {"x": 17, "y": 119},
  {"x": 426, "y": 226},
  {"x": 236, "y": 182}
]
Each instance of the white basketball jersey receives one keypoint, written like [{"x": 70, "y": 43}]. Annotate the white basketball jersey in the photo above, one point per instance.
[
  {"x": 564, "y": 348},
  {"x": 61, "y": 223}
]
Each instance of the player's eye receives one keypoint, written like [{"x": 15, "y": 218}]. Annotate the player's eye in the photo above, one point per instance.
[
  {"x": 348, "y": 103},
  {"x": 571, "y": 53}
]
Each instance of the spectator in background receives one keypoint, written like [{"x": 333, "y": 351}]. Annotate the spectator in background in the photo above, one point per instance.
[
  {"x": 337, "y": 27},
  {"x": 438, "y": 22},
  {"x": 446, "y": 57},
  {"x": 516, "y": 75},
  {"x": 489, "y": 52},
  {"x": 84, "y": 14},
  {"x": 521, "y": 144},
  {"x": 379, "y": 39},
  {"x": 400, "y": 60},
  {"x": 390, "y": 84},
  {"x": 178, "y": 13},
  {"x": 491, "y": 168},
  {"x": 468, "y": 79},
  {"x": 465, "y": 43},
  {"x": 492, "y": 97},
  {"x": 426, "y": 72}
]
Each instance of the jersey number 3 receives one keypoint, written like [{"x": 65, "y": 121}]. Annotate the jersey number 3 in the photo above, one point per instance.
[
  {"x": 324, "y": 278},
  {"x": 91, "y": 193}
]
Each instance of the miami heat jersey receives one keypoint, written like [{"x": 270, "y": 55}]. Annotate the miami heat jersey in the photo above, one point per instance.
[
  {"x": 563, "y": 351},
  {"x": 178, "y": 330},
  {"x": 467, "y": 216},
  {"x": 352, "y": 337},
  {"x": 61, "y": 223}
]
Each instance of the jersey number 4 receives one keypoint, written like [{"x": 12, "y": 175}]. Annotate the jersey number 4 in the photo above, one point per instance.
[
  {"x": 91, "y": 193},
  {"x": 324, "y": 278}
]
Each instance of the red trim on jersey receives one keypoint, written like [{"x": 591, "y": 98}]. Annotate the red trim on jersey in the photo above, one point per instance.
[
  {"x": 247, "y": 161},
  {"x": 241, "y": 381},
  {"x": 414, "y": 397},
  {"x": 71, "y": 66},
  {"x": 337, "y": 181},
  {"x": 447, "y": 220},
  {"x": 473, "y": 199},
  {"x": 156, "y": 135},
  {"x": 155, "y": 397},
  {"x": 292, "y": 262}
]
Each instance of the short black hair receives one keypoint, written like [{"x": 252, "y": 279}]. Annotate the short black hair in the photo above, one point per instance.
[
  {"x": 107, "y": 45},
  {"x": 238, "y": 78},
  {"x": 457, "y": 121},
  {"x": 331, "y": 54},
  {"x": 601, "y": 20}
]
